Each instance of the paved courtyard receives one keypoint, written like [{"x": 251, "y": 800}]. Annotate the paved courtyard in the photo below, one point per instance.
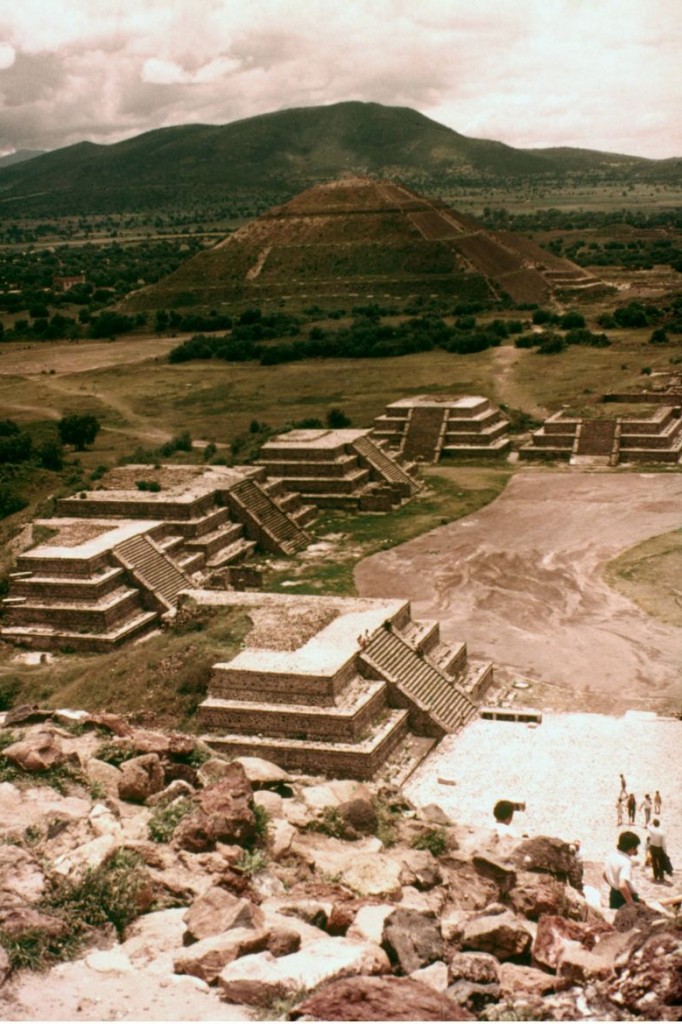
[{"x": 522, "y": 582}]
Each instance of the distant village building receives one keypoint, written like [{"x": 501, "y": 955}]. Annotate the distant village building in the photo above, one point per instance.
[{"x": 62, "y": 283}]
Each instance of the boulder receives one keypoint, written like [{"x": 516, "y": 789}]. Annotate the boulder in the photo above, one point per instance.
[
  {"x": 262, "y": 773},
  {"x": 359, "y": 817},
  {"x": 223, "y": 815},
  {"x": 259, "y": 978},
  {"x": 20, "y": 874},
  {"x": 19, "y": 919},
  {"x": 144, "y": 741},
  {"x": 452, "y": 924},
  {"x": 498, "y": 871},
  {"x": 270, "y": 802},
  {"x": 434, "y": 975},
  {"x": 217, "y": 910},
  {"x": 207, "y": 958},
  {"x": 431, "y": 902},
  {"x": 373, "y": 874},
  {"x": 650, "y": 986},
  {"x": 87, "y": 856},
  {"x": 283, "y": 941},
  {"x": 503, "y": 935},
  {"x": 535, "y": 894},
  {"x": 37, "y": 753},
  {"x": 467, "y": 889},
  {"x": 554, "y": 932},
  {"x": 175, "y": 791},
  {"x": 280, "y": 836},
  {"x": 212, "y": 771},
  {"x": 551, "y": 856},
  {"x": 412, "y": 940},
  {"x": 105, "y": 774},
  {"x": 518, "y": 982},
  {"x": 368, "y": 925},
  {"x": 578, "y": 966},
  {"x": 181, "y": 745},
  {"x": 114, "y": 724},
  {"x": 420, "y": 869},
  {"x": 472, "y": 997},
  {"x": 103, "y": 821},
  {"x": 379, "y": 999},
  {"x": 140, "y": 778},
  {"x": 481, "y": 968},
  {"x": 153, "y": 936}
]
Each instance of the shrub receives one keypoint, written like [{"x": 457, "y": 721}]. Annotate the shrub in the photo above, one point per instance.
[
  {"x": 148, "y": 485},
  {"x": 252, "y": 861},
  {"x": 434, "y": 840},
  {"x": 330, "y": 823},
  {"x": 337, "y": 419},
  {"x": 164, "y": 820}
]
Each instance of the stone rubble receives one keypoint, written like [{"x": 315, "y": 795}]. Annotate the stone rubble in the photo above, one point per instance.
[{"x": 393, "y": 914}]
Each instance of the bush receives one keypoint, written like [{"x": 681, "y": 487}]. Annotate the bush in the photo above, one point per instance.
[
  {"x": 164, "y": 820},
  {"x": 10, "y": 501},
  {"x": 337, "y": 419},
  {"x": 80, "y": 431},
  {"x": 148, "y": 485},
  {"x": 434, "y": 840}
]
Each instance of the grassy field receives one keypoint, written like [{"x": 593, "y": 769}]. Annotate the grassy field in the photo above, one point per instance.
[{"x": 650, "y": 574}]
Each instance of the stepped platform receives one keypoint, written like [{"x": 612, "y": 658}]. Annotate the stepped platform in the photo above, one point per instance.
[
  {"x": 428, "y": 428},
  {"x": 653, "y": 436},
  {"x": 338, "y": 468},
  {"x": 340, "y": 697}
]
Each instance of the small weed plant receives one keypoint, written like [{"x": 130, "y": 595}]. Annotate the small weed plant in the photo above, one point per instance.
[
  {"x": 165, "y": 820},
  {"x": 252, "y": 861},
  {"x": 434, "y": 840},
  {"x": 330, "y": 823}
]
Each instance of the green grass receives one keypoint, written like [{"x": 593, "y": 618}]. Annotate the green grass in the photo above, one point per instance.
[
  {"x": 162, "y": 679},
  {"x": 448, "y": 494},
  {"x": 650, "y": 574}
]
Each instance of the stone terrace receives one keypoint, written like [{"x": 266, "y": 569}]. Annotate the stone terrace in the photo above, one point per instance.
[
  {"x": 655, "y": 436},
  {"x": 345, "y": 699},
  {"x": 432, "y": 427},
  {"x": 339, "y": 468}
]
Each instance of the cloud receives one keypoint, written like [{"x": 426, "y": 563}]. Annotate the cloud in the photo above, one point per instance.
[{"x": 527, "y": 72}]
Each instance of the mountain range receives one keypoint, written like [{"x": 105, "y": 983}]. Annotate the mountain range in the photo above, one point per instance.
[{"x": 289, "y": 150}]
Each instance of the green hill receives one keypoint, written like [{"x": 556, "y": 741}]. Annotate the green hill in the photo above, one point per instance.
[{"x": 286, "y": 151}]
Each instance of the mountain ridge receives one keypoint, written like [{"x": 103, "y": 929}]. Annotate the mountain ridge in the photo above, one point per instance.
[{"x": 297, "y": 147}]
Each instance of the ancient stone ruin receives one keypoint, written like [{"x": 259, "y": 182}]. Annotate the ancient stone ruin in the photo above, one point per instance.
[
  {"x": 367, "y": 685},
  {"x": 428, "y": 428},
  {"x": 652, "y": 435}
]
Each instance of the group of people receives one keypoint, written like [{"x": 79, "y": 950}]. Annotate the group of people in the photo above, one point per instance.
[
  {"x": 627, "y": 804},
  {"x": 618, "y": 866}
]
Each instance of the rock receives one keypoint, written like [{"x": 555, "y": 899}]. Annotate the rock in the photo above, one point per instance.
[
  {"x": 315, "y": 912},
  {"x": 217, "y": 911},
  {"x": 467, "y": 889},
  {"x": 271, "y": 803},
  {"x": 154, "y": 936},
  {"x": 634, "y": 915},
  {"x": 37, "y": 753},
  {"x": 503, "y": 935},
  {"x": 262, "y": 773},
  {"x": 140, "y": 778},
  {"x": 19, "y": 919},
  {"x": 108, "y": 961},
  {"x": 369, "y": 921},
  {"x": 498, "y": 871},
  {"x": 452, "y": 924},
  {"x": 207, "y": 958},
  {"x": 379, "y": 999},
  {"x": 88, "y": 856},
  {"x": 224, "y": 810},
  {"x": 5, "y": 966},
  {"x": 175, "y": 791},
  {"x": 517, "y": 982},
  {"x": 283, "y": 941},
  {"x": 420, "y": 869},
  {"x": 431, "y": 902},
  {"x": 578, "y": 966},
  {"x": 434, "y": 975},
  {"x": 373, "y": 875},
  {"x": 412, "y": 940},
  {"x": 258, "y": 979},
  {"x": 20, "y": 874},
  {"x": 470, "y": 996},
  {"x": 359, "y": 817},
  {"x": 535, "y": 894},
  {"x": 481, "y": 968},
  {"x": 553, "y": 933},
  {"x": 552, "y": 856},
  {"x": 650, "y": 985},
  {"x": 103, "y": 821},
  {"x": 144, "y": 741},
  {"x": 107, "y": 775},
  {"x": 25, "y": 713},
  {"x": 280, "y": 836},
  {"x": 434, "y": 814},
  {"x": 112, "y": 723},
  {"x": 181, "y": 745},
  {"x": 212, "y": 771}
]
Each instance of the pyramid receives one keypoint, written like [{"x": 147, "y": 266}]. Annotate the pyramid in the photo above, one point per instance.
[{"x": 359, "y": 239}]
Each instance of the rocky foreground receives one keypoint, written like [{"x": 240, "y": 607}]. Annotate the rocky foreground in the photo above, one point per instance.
[{"x": 154, "y": 880}]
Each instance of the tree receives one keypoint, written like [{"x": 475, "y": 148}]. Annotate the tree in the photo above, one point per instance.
[{"x": 80, "y": 431}]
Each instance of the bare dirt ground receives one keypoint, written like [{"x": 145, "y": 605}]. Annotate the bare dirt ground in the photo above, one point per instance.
[
  {"x": 522, "y": 582},
  {"x": 25, "y": 359}
]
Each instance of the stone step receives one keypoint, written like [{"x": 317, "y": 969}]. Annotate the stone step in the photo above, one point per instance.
[{"x": 46, "y": 638}]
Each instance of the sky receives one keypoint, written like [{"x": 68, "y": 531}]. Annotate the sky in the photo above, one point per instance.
[{"x": 598, "y": 74}]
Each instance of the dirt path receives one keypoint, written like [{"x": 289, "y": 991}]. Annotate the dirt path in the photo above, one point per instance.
[
  {"x": 522, "y": 582},
  {"x": 507, "y": 388}
]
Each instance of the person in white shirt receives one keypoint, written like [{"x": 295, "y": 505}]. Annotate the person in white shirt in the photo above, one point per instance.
[
  {"x": 657, "y": 849},
  {"x": 618, "y": 871}
]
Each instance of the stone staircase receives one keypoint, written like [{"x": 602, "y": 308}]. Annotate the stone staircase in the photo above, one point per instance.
[
  {"x": 274, "y": 529},
  {"x": 424, "y": 434},
  {"x": 412, "y": 670},
  {"x": 153, "y": 570},
  {"x": 384, "y": 466},
  {"x": 597, "y": 440}
]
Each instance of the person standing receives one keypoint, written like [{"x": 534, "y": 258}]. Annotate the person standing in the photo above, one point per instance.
[
  {"x": 632, "y": 809},
  {"x": 623, "y": 784},
  {"x": 658, "y": 849},
  {"x": 646, "y": 806},
  {"x": 658, "y": 803},
  {"x": 618, "y": 871},
  {"x": 620, "y": 806}
]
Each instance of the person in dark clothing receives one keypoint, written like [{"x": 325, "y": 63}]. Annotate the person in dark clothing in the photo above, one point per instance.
[{"x": 632, "y": 809}]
